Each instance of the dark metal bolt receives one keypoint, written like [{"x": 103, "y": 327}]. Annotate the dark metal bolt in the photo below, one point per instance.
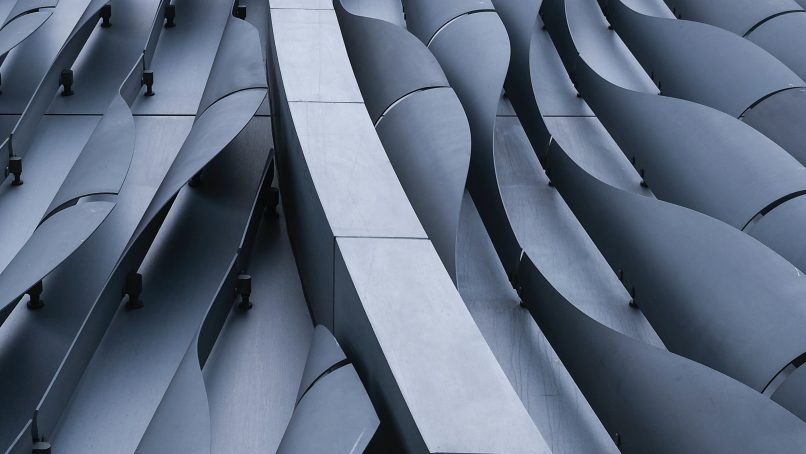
[
  {"x": 274, "y": 200},
  {"x": 35, "y": 293},
  {"x": 41, "y": 447},
  {"x": 134, "y": 289},
  {"x": 66, "y": 81},
  {"x": 148, "y": 81},
  {"x": 15, "y": 168},
  {"x": 170, "y": 15},
  {"x": 243, "y": 286},
  {"x": 106, "y": 14}
]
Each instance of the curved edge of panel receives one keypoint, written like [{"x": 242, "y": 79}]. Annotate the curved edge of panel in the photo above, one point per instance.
[
  {"x": 389, "y": 62},
  {"x": 651, "y": 400},
  {"x": 49, "y": 246},
  {"x": 426, "y": 18},
  {"x": 713, "y": 293},
  {"x": 693, "y": 155},
  {"x": 701, "y": 62},
  {"x": 474, "y": 52}
]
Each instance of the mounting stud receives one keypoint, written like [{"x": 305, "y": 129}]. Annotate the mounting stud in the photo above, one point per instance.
[
  {"x": 134, "y": 289},
  {"x": 66, "y": 81},
  {"x": 240, "y": 12},
  {"x": 148, "y": 81},
  {"x": 39, "y": 445},
  {"x": 35, "y": 293},
  {"x": 15, "y": 168},
  {"x": 243, "y": 286},
  {"x": 170, "y": 15},
  {"x": 105, "y": 15}
]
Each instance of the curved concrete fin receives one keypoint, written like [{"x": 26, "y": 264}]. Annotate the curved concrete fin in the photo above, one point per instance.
[
  {"x": 389, "y": 63},
  {"x": 651, "y": 400},
  {"x": 713, "y": 293},
  {"x": 104, "y": 162},
  {"x": 700, "y": 62},
  {"x": 49, "y": 246},
  {"x": 335, "y": 416},
  {"x": 238, "y": 64},
  {"x": 20, "y": 28},
  {"x": 235, "y": 99},
  {"x": 181, "y": 423},
  {"x": 323, "y": 354},
  {"x": 419, "y": 120},
  {"x": 474, "y": 52},
  {"x": 737, "y": 16},
  {"x": 693, "y": 155},
  {"x": 425, "y": 17}
]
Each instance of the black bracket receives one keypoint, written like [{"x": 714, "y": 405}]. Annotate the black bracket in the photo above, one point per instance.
[
  {"x": 15, "y": 168},
  {"x": 243, "y": 286},
  {"x": 134, "y": 289},
  {"x": 66, "y": 81},
  {"x": 35, "y": 293},
  {"x": 105, "y": 15},
  {"x": 148, "y": 81},
  {"x": 170, "y": 16}
]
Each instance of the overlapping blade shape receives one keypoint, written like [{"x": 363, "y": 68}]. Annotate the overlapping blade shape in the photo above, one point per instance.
[
  {"x": 713, "y": 294},
  {"x": 651, "y": 400},
  {"x": 419, "y": 120}
]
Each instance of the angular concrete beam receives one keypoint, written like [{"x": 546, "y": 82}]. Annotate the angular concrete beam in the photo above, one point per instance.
[{"x": 355, "y": 236}]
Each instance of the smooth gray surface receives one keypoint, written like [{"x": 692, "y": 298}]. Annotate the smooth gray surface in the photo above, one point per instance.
[
  {"x": 387, "y": 10},
  {"x": 156, "y": 337},
  {"x": 182, "y": 420},
  {"x": 549, "y": 394},
  {"x": 693, "y": 155},
  {"x": 389, "y": 63},
  {"x": 49, "y": 245},
  {"x": 52, "y": 154},
  {"x": 425, "y": 18},
  {"x": 713, "y": 293},
  {"x": 23, "y": 135},
  {"x": 427, "y": 139},
  {"x": 107, "y": 57},
  {"x": 578, "y": 27},
  {"x": 738, "y": 16},
  {"x": 652, "y": 400},
  {"x": 17, "y": 30},
  {"x": 375, "y": 318},
  {"x": 253, "y": 372},
  {"x": 776, "y": 37},
  {"x": 782, "y": 230},
  {"x": 184, "y": 56},
  {"x": 104, "y": 162},
  {"x": 27, "y": 63},
  {"x": 211, "y": 132},
  {"x": 474, "y": 53},
  {"x": 554, "y": 239},
  {"x": 351, "y": 192},
  {"x": 700, "y": 62},
  {"x": 335, "y": 416},
  {"x": 238, "y": 64},
  {"x": 790, "y": 394},
  {"x": 779, "y": 117},
  {"x": 73, "y": 323},
  {"x": 312, "y": 57},
  {"x": 423, "y": 128},
  {"x": 355, "y": 182},
  {"x": 323, "y": 354}
]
